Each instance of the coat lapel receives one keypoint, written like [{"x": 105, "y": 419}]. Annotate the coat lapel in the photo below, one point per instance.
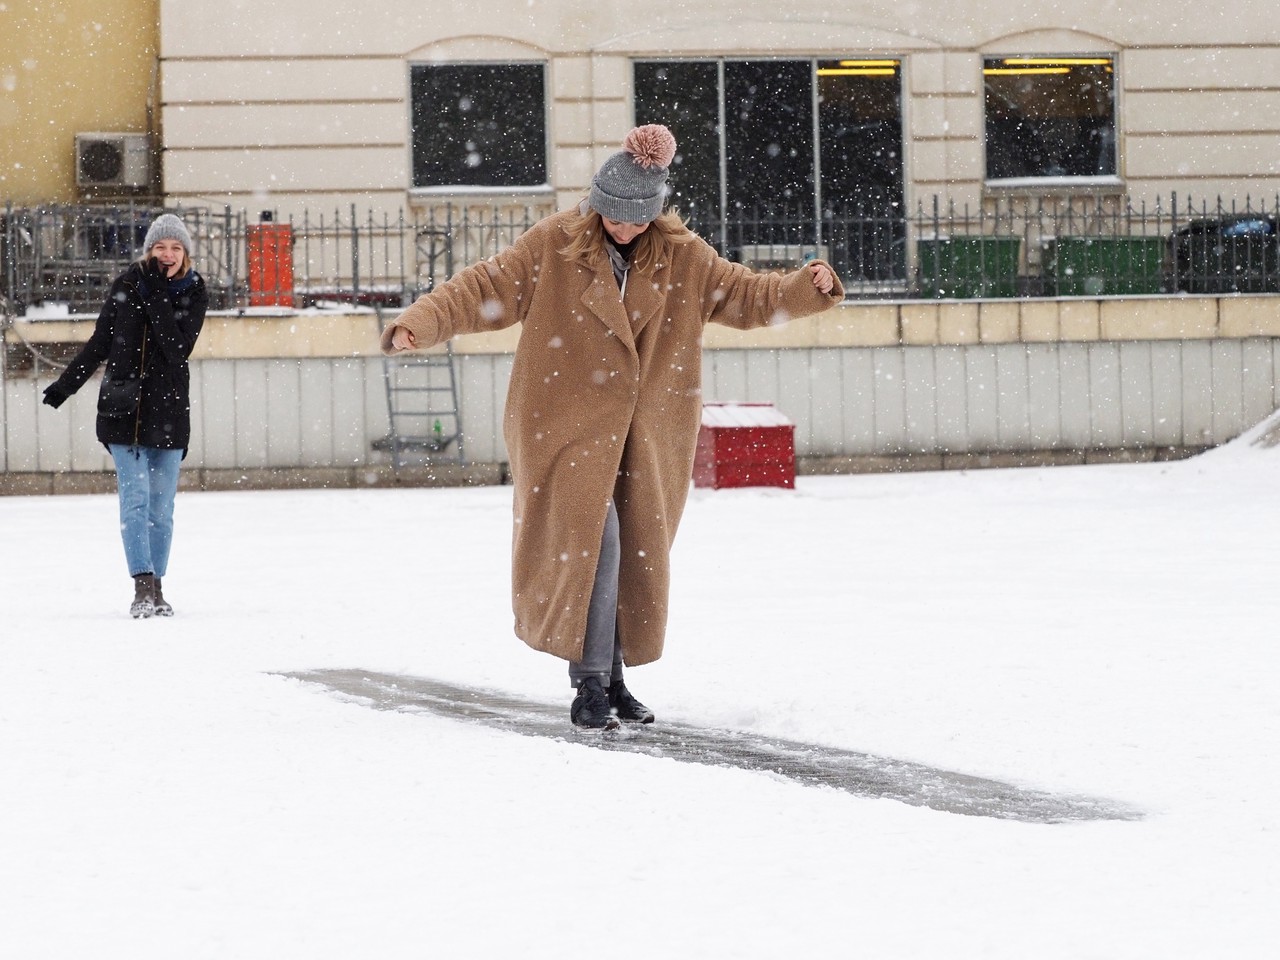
[
  {"x": 601, "y": 298},
  {"x": 644, "y": 299}
]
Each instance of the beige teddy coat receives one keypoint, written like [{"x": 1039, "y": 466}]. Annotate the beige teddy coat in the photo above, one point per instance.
[{"x": 605, "y": 401}]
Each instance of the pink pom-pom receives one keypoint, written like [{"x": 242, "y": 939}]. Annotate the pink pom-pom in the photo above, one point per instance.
[{"x": 652, "y": 145}]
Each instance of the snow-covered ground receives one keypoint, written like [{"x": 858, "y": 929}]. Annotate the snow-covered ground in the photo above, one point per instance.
[{"x": 1109, "y": 631}]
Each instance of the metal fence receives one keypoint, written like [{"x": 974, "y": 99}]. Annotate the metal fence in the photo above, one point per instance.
[
  {"x": 1095, "y": 246},
  {"x": 1008, "y": 247},
  {"x": 69, "y": 253}
]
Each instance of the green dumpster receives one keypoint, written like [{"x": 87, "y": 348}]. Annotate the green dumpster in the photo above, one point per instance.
[
  {"x": 1103, "y": 266},
  {"x": 964, "y": 268}
]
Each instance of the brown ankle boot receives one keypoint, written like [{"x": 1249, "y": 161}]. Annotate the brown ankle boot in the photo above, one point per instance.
[
  {"x": 144, "y": 596},
  {"x": 163, "y": 609}
]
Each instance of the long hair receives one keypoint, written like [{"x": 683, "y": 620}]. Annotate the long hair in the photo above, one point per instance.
[{"x": 655, "y": 246}]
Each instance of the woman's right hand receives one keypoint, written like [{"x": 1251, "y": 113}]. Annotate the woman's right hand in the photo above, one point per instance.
[{"x": 402, "y": 339}]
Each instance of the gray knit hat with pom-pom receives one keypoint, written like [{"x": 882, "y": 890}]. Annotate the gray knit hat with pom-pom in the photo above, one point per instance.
[{"x": 631, "y": 186}]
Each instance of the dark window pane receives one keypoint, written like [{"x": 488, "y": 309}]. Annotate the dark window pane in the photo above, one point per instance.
[
  {"x": 769, "y": 136},
  {"x": 685, "y": 96},
  {"x": 763, "y": 161},
  {"x": 860, "y": 132},
  {"x": 1050, "y": 117},
  {"x": 479, "y": 125},
  {"x": 860, "y": 143}
]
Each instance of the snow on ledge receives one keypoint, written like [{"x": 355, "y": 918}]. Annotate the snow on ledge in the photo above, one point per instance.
[{"x": 743, "y": 415}]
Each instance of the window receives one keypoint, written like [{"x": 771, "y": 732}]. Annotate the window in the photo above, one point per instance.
[
  {"x": 686, "y": 97},
  {"x": 768, "y": 136},
  {"x": 786, "y": 153},
  {"x": 1050, "y": 117},
  {"x": 479, "y": 125}
]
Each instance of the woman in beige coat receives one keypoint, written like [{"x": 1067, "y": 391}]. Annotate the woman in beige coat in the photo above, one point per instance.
[{"x": 604, "y": 405}]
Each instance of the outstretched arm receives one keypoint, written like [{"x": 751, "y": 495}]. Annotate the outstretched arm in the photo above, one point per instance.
[
  {"x": 742, "y": 298},
  {"x": 490, "y": 295}
]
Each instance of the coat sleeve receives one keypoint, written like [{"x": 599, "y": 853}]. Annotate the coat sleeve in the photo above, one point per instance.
[
  {"x": 175, "y": 330},
  {"x": 96, "y": 348},
  {"x": 491, "y": 295},
  {"x": 738, "y": 297}
]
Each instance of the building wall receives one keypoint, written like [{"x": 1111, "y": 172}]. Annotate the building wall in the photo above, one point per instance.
[
  {"x": 70, "y": 66},
  {"x": 303, "y": 102},
  {"x": 296, "y": 104}
]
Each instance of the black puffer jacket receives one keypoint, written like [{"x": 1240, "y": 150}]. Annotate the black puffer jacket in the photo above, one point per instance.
[{"x": 147, "y": 329}]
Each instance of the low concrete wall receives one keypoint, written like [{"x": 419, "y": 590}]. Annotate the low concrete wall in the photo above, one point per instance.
[
  {"x": 262, "y": 333},
  {"x": 298, "y": 399}
]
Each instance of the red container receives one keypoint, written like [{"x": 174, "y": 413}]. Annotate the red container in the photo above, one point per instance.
[
  {"x": 745, "y": 445},
  {"x": 270, "y": 255}
]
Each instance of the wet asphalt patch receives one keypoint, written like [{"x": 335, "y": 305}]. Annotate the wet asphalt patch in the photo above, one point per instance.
[{"x": 861, "y": 774}]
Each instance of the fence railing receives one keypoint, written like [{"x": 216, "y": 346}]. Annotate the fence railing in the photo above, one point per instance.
[
  {"x": 69, "y": 253},
  {"x": 1007, "y": 247},
  {"x": 1097, "y": 246}
]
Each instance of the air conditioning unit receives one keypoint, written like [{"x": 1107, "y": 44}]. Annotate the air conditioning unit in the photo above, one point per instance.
[
  {"x": 116, "y": 160},
  {"x": 779, "y": 256}
]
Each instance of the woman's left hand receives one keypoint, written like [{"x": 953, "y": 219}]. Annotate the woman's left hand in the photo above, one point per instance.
[{"x": 823, "y": 278}]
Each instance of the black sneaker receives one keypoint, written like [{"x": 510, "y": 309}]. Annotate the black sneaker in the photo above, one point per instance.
[
  {"x": 626, "y": 706},
  {"x": 591, "y": 707}
]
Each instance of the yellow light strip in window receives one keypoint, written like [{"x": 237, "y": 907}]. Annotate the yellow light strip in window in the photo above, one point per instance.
[
  {"x": 1009, "y": 71},
  {"x": 868, "y": 63},
  {"x": 1058, "y": 61},
  {"x": 855, "y": 72}
]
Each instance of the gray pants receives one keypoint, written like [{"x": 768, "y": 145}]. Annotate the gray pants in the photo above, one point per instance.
[{"x": 601, "y": 652}]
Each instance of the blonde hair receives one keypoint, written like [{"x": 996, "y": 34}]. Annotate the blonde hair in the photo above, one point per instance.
[{"x": 655, "y": 246}]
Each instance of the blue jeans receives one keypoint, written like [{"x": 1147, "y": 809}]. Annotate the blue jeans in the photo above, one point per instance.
[{"x": 147, "y": 481}]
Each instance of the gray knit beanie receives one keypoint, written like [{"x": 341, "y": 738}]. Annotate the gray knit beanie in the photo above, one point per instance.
[
  {"x": 631, "y": 186},
  {"x": 167, "y": 227}
]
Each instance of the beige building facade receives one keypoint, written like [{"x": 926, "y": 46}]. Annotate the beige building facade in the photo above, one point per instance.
[{"x": 315, "y": 103}]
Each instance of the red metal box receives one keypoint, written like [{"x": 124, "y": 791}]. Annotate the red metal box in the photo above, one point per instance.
[
  {"x": 269, "y": 251},
  {"x": 745, "y": 445}
]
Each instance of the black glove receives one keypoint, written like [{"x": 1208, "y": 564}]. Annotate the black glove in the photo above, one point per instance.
[
  {"x": 154, "y": 279},
  {"x": 55, "y": 396},
  {"x": 154, "y": 276}
]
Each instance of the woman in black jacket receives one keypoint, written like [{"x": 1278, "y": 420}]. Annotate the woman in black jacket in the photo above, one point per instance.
[{"x": 145, "y": 333}]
